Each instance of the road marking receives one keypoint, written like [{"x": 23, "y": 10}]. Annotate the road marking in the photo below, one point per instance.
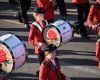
[
  {"x": 76, "y": 67},
  {"x": 35, "y": 56},
  {"x": 12, "y": 21},
  {"x": 32, "y": 56},
  {"x": 83, "y": 68}
]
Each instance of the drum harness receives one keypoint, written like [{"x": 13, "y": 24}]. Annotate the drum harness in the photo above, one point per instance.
[{"x": 38, "y": 26}]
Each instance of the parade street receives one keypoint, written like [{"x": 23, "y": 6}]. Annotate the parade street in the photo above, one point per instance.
[{"x": 77, "y": 57}]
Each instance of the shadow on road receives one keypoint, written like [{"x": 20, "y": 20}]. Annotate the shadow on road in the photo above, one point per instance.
[
  {"x": 73, "y": 52},
  {"x": 83, "y": 78},
  {"x": 21, "y": 76},
  {"x": 78, "y": 62}
]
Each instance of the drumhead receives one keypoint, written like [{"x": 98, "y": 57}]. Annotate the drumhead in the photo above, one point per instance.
[
  {"x": 58, "y": 33},
  {"x": 7, "y": 66},
  {"x": 15, "y": 52},
  {"x": 52, "y": 35}
]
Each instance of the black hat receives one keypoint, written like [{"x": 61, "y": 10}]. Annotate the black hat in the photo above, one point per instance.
[
  {"x": 48, "y": 47},
  {"x": 38, "y": 10}
]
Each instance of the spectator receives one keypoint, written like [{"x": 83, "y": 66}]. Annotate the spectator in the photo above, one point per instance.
[{"x": 83, "y": 10}]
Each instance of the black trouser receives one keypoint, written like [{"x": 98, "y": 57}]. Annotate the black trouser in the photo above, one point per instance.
[
  {"x": 11, "y": 1},
  {"x": 24, "y": 7},
  {"x": 83, "y": 10},
  {"x": 41, "y": 57},
  {"x": 50, "y": 21},
  {"x": 62, "y": 6}
]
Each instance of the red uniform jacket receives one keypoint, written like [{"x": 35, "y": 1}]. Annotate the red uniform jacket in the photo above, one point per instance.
[
  {"x": 48, "y": 8},
  {"x": 80, "y": 1},
  {"x": 94, "y": 15},
  {"x": 98, "y": 51},
  {"x": 35, "y": 36},
  {"x": 1, "y": 77},
  {"x": 49, "y": 72}
]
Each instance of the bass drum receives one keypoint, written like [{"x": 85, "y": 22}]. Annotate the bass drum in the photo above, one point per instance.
[
  {"x": 58, "y": 33},
  {"x": 15, "y": 52}
]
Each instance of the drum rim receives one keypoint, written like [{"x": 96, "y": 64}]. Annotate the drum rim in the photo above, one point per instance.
[
  {"x": 10, "y": 52},
  {"x": 22, "y": 43},
  {"x": 53, "y": 26},
  {"x": 25, "y": 49}
]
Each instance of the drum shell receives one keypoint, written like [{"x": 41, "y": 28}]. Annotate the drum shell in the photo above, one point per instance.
[
  {"x": 63, "y": 28},
  {"x": 16, "y": 48}
]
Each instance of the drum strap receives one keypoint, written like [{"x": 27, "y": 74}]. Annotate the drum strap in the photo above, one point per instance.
[
  {"x": 46, "y": 22},
  {"x": 38, "y": 26}
]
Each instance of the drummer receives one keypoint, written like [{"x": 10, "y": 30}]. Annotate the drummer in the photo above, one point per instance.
[
  {"x": 50, "y": 68},
  {"x": 94, "y": 23},
  {"x": 94, "y": 16},
  {"x": 35, "y": 33}
]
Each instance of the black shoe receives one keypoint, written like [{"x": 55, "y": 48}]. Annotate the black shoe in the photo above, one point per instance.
[
  {"x": 27, "y": 26},
  {"x": 85, "y": 37},
  {"x": 19, "y": 17},
  {"x": 76, "y": 28}
]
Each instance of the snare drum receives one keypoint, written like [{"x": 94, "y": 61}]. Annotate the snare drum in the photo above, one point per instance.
[
  {"x": 15, "y": 52},
  {"x": 58, "y": 33}
]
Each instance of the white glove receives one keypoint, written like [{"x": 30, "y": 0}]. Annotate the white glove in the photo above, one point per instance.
[
  {"x": 40, "y": 44},
  {"x": 94, "y": 26}
]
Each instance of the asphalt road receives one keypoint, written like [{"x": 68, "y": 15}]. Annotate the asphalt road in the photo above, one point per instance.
[{"x": 77, "y": 57}]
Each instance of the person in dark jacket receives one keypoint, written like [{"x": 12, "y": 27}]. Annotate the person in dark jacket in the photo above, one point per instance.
[
  {"x": 83, "y": 10},
  {"x": 62, "y": 7},
  {"x": 22, "y": 13}
]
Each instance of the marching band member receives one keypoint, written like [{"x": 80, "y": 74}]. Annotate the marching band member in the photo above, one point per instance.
[
  {"x": 94, "y": 16},
  {"x": 35, "y": 33},
  {"x": 94, "y": 23},
  {"x": 50, "y": 68},
  {"x": 48, "y": 7}
]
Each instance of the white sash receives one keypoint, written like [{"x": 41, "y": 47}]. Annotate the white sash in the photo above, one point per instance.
[{"x": 38, "y": 26}]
